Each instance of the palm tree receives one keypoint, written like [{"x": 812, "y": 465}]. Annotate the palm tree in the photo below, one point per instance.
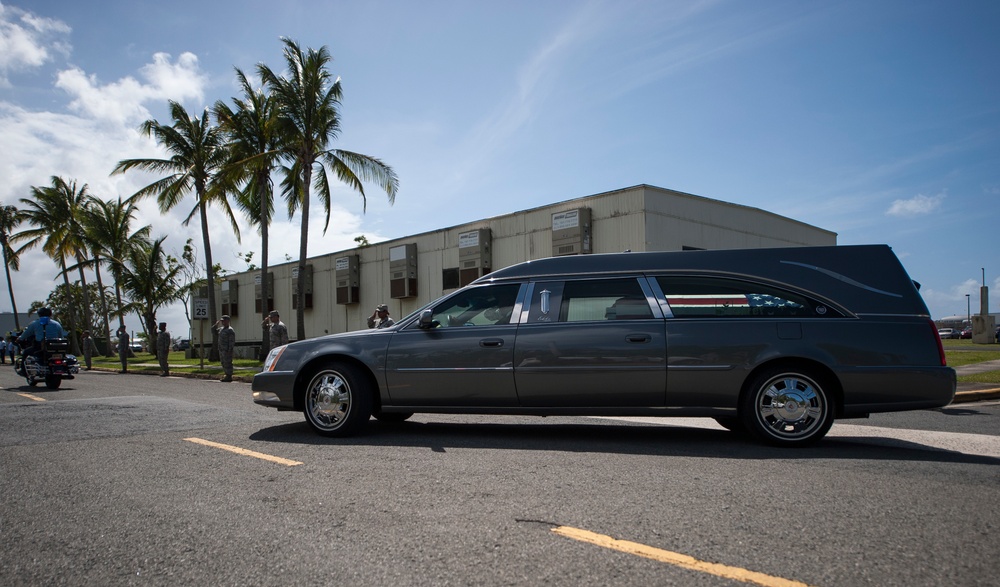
[
  {"x": 110, "y": 240},
  {"x": 76, "y": 203},
  {"x": 198, "y": 152},
  {"x": 10, "y": 219},
  {"x": 151, "y": 281},
  {"x": 54, "y": 213},
  {"x": 308, "y": 104},
  {"x": 252, "y": 132}
]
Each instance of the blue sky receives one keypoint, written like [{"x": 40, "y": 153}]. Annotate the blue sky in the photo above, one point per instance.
[{"x": 879, "y": 121}]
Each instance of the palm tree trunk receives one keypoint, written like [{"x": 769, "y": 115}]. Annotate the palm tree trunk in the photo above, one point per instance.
[
  {"x": 150, "y": 320},
  {"x": 88, "y": 318},
  {"x": 265, "y": 339},
  {"x": 104, "y": 306},
  {"x": 74, "y": 348},
  {"x": 10, "y": 288},
  {"x": 118, "y": 298},
  {"x": 210, "y": 270},
  {"x": 300, "y": 291}
]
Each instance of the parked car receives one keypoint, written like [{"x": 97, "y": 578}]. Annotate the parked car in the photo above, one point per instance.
[
  {"x": 136, "y": 346},
  {"x": 966, "y": 332},
  {"x": 182, "y": 344},
  {"x": 946, "y": 333},
  {"x": 777, "y": 342}
]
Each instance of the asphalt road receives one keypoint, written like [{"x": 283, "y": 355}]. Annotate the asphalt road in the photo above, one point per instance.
[{"x": 133, "y": 480}]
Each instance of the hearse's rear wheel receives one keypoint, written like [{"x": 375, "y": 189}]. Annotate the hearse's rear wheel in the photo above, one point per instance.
[{"x": 787, "y": 407}]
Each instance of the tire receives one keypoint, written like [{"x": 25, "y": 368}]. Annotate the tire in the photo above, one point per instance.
[
  {"x": 53, "y": 381},
  {"x": 787, "y": 407},
  {"x": 338, "y": 400},
  {"x": 393, "y": 417},
  {"x": 31, "y": 381}
]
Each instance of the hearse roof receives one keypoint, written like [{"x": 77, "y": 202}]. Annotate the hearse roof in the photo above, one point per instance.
[{"x": 862, "y": 278}]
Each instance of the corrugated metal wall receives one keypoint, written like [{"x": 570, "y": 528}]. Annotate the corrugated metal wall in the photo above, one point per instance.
[{"x": 641, "y": 218}]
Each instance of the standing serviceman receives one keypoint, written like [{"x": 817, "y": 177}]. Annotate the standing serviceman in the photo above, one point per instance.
[
  {"x": 163, "y": 349},
  {"x": 3, "y": 351},
  {"x": 380, "y": 317},
  {"x": 89, "y": 348},
  {"x": 277, "y": 332},
  {"x": 227, "y": 344},
  {"x": 123, "y": 348}
]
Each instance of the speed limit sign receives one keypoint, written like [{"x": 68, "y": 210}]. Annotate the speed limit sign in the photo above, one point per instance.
[{"x": 200, "y": 309}]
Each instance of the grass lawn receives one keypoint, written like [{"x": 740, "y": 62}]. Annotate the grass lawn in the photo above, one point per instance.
[
  {"x": 991, "y": 377},
  {"x": 146, "y": 362},
  {"x": 964, "y": 352}
]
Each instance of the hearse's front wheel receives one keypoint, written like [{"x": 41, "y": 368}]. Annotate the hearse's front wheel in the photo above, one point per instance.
[{"x": 338, "y": 400}]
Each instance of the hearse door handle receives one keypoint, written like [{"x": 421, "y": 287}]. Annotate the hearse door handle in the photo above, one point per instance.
[
  {"x": 491, "y": 342},
  {"x": 638, "y": 338}
]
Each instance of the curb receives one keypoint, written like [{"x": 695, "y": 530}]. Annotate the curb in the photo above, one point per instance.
[
  {"x": 204, "y": 376},
  {"x": 976, "y": 395}
]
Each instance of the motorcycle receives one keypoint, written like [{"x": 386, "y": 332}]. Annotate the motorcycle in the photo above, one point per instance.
[{"x": 51, "y": 364}]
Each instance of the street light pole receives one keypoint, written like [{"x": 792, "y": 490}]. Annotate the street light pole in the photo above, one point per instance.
[{"x": 968, "y": 309}]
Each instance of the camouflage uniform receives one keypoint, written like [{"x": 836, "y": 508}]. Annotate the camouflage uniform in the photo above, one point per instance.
[
  {"x": 277, "y": 334},
  {"x": 227, "y": 344},
  {"x": 162, "y": 349},
  {"x": 123, "y": 349},
  {"x": 89, "y": 349}
]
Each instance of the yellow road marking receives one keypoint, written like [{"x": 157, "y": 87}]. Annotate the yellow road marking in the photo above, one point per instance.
[
  {"x": 245, "y": 452},
  {"x": 34, "y": 397},
  {"x": 675, "y": 558}
]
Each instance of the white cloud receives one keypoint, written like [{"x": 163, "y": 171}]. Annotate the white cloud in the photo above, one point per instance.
[
  {"x": 121, "y": 102},
  {"x": 28, "y": 41},
  {"x": 100, "y": 129},
  {"x": 916, "y": 206},
  {"x": 84, "y": 142}
]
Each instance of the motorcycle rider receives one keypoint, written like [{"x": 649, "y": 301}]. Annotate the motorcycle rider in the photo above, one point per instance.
[{"x": 43, "y": 327}]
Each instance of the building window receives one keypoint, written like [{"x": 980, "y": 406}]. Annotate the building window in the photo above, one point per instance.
[{"x": 450, "y": 278}]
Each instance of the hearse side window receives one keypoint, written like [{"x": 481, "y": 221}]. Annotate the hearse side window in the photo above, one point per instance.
[
  {"x": 705, "y": 297},
  {"x": 479, "y": 306},
  {"x": 589, "y": 300}
]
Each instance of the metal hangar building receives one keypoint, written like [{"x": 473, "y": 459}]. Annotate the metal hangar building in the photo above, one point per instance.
[{"x": 406, "y": 273}]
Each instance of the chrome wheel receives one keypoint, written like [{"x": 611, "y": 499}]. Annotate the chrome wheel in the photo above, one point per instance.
[
  {"x": 337, "y": 401},
  {"x": 788, "y": 408}
]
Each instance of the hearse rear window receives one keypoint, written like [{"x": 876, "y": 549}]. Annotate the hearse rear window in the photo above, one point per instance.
[
  {"x": 604, "y": 299},
  {"x": 702, "y": 297}
]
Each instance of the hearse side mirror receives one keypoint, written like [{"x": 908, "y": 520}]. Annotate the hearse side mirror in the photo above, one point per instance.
[{"x": 426, "y": 319}]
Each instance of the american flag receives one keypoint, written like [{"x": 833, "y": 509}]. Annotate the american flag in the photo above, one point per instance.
[{"x": 729, "y": 301}]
